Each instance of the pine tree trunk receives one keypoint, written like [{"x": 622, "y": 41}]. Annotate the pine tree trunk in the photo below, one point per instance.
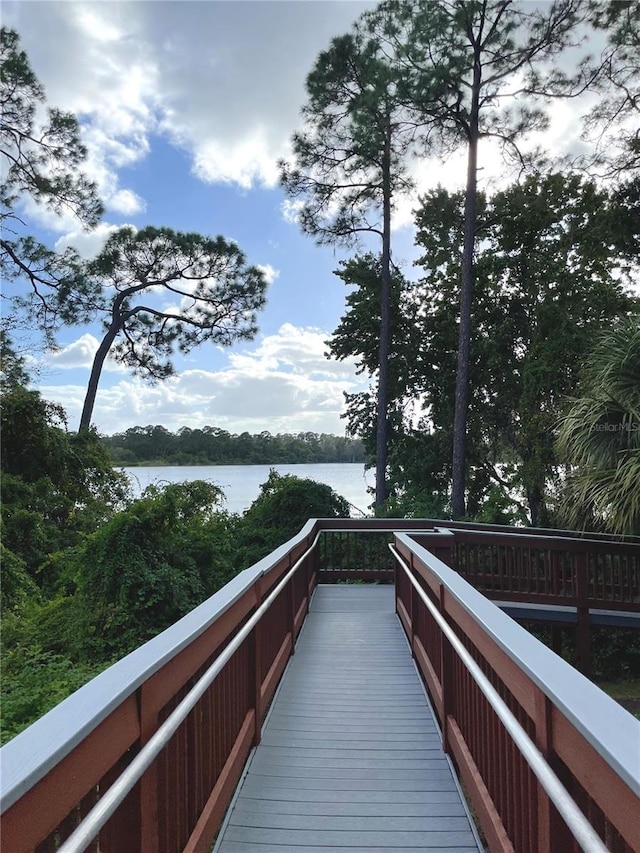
[
  {"x": 385, "y": 333},
  {"x": 96, "y": 371},
  {"x": 458, "y": 466}
]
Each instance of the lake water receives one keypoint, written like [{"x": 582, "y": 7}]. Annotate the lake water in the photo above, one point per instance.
[{"x": 241, "y": 483}]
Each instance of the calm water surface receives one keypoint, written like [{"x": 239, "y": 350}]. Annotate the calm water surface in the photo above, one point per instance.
[{"x": 241, "y": 483}]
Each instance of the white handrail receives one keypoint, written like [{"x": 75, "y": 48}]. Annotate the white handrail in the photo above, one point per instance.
[
  {"x": 579, "y": 826},
  {"x": 91, "y": 825}
]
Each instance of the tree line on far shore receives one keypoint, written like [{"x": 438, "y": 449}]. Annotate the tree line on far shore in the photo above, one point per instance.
[{"x": 156, "y": 445}]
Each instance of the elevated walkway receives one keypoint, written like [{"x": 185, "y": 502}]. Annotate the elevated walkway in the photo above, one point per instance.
[
  {"x": 195, "y": 736},
  {"x": 350, "y": 757}
]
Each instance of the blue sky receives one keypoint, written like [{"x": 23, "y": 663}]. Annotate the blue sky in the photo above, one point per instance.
[{"x": 186, "y": 108}]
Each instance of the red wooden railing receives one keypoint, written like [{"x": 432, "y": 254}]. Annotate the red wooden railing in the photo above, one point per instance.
[
  {"x": 54, "y": 773},
  {"x": 580, "y": 573},
  {"x": 549, "y": 570},
  {"x": 87, "y": 741},
  {"x": 547, "y": 698}
]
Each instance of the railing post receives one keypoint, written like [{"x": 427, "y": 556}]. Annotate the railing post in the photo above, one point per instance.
[
  {"x": 308, "y": 573},
  {"x": 255, "y": 668},
  {"x": 317, "y": 558},
  {"x": 446, "y": 679},
  {"x": 292, "y": 609},
  {"x": 149, "y": 837},
  {"x": 414, "y": 603},
  {"x": 583, "y": 627},
  {"x": 396, "y": 575},
  {"x": 553, "y": 834},
  {"x": 442, "y": 547}
]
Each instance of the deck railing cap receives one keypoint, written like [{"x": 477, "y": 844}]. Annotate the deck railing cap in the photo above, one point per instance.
[
  {"x": 608, "y": 727},
  {"x": 557, "y": 542}
]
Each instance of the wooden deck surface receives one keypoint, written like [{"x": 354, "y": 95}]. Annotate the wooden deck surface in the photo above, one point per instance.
[{"x": 350, "y": 758}]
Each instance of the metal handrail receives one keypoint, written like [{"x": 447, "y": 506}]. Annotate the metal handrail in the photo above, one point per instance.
[
  {"x": 579, "y": 826},
  {"x": 91, "y": 825}
]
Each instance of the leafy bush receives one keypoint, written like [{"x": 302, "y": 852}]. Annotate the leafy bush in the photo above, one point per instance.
[
  {"x": 138, "y": 573},
  {"x": 34, "y": 681},
  {"x": 282, "y": 508},
  {"x": 17, "y": 586},
  {"x": 56, "y": 487},
  {"x": 152, "y": 563}
]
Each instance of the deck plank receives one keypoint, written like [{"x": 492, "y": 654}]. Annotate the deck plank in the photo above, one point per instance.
[
  {"x": 252, "y": 847},
  {"x": 350, "y": 759}
]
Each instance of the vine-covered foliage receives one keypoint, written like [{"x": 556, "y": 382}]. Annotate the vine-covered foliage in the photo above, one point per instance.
[
  {"x": 90, "y": 574},
  {"x": 152, "y": 563},
  {"x": 282, "y": 508}
]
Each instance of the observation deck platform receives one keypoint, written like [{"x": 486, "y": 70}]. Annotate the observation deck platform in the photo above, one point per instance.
[{"x": 350, "y": 757}]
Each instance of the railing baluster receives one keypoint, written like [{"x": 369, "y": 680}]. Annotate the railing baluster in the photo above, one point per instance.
[{"x": 583, "y": 632}]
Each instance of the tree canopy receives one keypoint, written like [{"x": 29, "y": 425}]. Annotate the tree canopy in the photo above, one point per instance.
[
  {"x": 282, "y": 508},
  {"x": 613, "y": 123},
  {"x": 471, "y": 71},
  {"x": 41, "y": 153},
  {"x": 348, "y": 166},
  {"x": 211, "y": 445},
  {"x": 552, "y": 264},
  {"x": 212, "y": 295},
  {"x": 157, "y": 290}
]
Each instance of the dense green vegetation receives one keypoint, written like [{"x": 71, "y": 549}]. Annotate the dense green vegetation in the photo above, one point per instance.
[
  {"x": 88, "y": 573},
  {"x": 156, "y": 445}
]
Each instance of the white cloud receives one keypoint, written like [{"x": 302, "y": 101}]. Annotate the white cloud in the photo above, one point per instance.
[
  {"x": 245, "y": 162},
  {"x": 224, "y": 81},
  {"x": 292, "y": 350},
  {"x": 291, "y": 210},
  {"x": 283, "y": 385},
  {"x": 87, "y": 243},
  {"x": 270, "y": 273},
  {"x": 78, "y": 354},
  {"x": 95, "y": 26},
  {"x": 126, "y": 202},
  {"x": 92, "y": 63}
]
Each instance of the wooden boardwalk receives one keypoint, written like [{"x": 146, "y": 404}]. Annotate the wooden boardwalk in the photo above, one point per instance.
[{"x": 350, "y": 758}]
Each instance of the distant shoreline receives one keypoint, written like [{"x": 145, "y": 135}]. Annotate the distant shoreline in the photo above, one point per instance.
[
  {"x": 164, "y": 464},
  {"x": 155, "y": 446}
]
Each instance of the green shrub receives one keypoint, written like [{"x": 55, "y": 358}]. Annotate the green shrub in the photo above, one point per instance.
[
  {"x": 16, "y": 587},
  {"x": 33, "y": 682},
  {"x": 282, "y": 508},
  {"x": 152, "y": 563}
]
